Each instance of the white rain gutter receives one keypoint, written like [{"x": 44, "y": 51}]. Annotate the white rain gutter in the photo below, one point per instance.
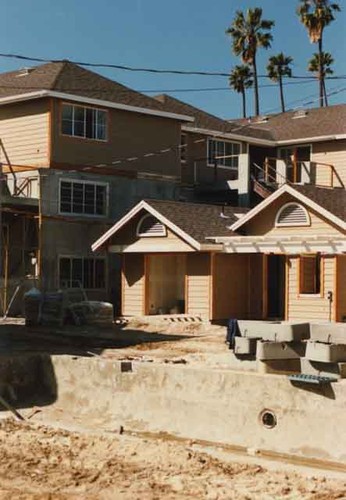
[{"x": 95, "y": 102}]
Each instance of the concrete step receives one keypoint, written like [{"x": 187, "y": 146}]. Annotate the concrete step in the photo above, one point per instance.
[
  {"x": 280, "y": 350},
  {"x": 333, "y": 333},
  {"x": 274, "y": 331},
  {"x": 325, "y": 353},
  {"x": 323, "y": 369}
]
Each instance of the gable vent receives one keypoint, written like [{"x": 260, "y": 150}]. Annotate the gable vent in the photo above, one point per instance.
[
  {"x": 292, "y": 214},
  {"x": 150, "y": 226}
]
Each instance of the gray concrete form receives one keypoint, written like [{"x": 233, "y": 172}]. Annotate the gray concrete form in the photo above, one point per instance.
[
  {"x": 72, "y": 235},
  {"x": 220, "y": 406}
]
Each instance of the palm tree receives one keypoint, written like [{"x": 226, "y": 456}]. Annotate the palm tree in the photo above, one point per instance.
[
  {"x": 315, "y": 15},
  {"x": 321, "y": 62},
  {"x": 240, "y": 80},
  {"x": 250, "y": 32},
  {"x": 278, "y": 67}
]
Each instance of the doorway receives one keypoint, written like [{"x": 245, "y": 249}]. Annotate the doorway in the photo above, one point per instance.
[
  {"x": 165, "y": 284},
  {"x": 276, "y": 286}
]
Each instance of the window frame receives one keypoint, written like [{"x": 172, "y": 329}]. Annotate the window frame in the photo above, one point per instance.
[
  {"x": 144, "y": 235},
  {"x": 85, "y": 107},
  {"x": 82, "y": 258},
  {"x": 317, "y": 293},
  {"x": 301, "y": 224},
  {"x": 225, "y": 141},
  {"x": 84, "y": 182}
]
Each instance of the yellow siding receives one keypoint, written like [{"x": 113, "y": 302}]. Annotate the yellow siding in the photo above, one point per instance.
[
  {"x": 198, "y": 284},
  {"x": 341, "y": 289},
  {"x": 310, "y": 307},
  {"x": 133, "y": 285},
  {"x": 24, "y": 131},
  {"x": 333, "y": 153},
  {"x": 264, "y": 222}
]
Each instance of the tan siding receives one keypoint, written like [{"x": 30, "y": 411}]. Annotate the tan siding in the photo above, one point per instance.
[
  {"x": 126, "y": 240},
  {"x": 198, "y": 284},
  {"x": 310, "y": 307},
  {"x": 231, "y": 286},
  {"x": 24, "y": 131},
  {"x": 341, "y": 288},
  {"x": 333, "y": 153},
  {"x": 133, "y": 285},
  {"x": 264, "y": 222},
  {"x": 129, "y": 135}
]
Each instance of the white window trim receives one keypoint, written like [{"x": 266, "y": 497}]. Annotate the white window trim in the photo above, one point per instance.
[
  {"x": 94, "y": 257},
  {"x": 234, "y": 169},
  {"x": 85, "y": 107},
  {"x": 77, "y": 214},
  {"x": 144, "y": 235},
  {"x": 285, "y": 224}
]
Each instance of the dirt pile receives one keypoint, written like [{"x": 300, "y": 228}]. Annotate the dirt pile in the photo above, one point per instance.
[{"x": 38, "y": 462}]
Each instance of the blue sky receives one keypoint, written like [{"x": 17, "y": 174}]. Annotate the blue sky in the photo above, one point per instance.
[{"x": 180, "y": 34}]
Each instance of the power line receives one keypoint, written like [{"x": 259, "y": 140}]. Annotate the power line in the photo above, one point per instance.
[
  {"x": 154, "y": 91},
  {"x": 143, "y": 70}
]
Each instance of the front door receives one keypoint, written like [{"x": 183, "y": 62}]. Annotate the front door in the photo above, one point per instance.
[{"x": 276, "y": 286}]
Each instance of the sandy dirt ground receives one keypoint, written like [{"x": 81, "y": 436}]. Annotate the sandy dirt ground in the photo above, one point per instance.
[
  {"x": 57, "y": 462},
  {"x": 41, "y": 463}
]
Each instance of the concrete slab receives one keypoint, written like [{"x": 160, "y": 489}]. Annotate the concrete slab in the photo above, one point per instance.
[
  {"x": 334, "y": 333},
  {"x": 325, "y": 353},
  {"x": 280, "y": 350},
  {"x": 309, "y": 367},
  {"x": 284, "y": 331}
]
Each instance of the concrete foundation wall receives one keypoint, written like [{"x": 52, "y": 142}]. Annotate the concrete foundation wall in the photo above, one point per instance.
[{"x": 215, "y": 405}]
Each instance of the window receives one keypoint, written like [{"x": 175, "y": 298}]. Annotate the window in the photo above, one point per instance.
[
  {"x": 310, "y": 274},
  {"x": 88, "y": 123},
  {"x": 150, "y": 226},
  {"x": 183, "y": 148},
  {"x": 83, "y": 198},
  {"x": 292, "y": 214},
  {"x": 226, "y": 154},
  {"x": 88, "y": 273}
]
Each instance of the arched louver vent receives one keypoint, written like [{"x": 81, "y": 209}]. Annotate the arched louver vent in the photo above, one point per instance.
[
  {"x": 292, "y": 214},
  {"x": 150, "y": 226}
]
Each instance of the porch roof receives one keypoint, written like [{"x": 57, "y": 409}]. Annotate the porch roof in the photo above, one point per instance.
[{"x": 284, "y": 244}]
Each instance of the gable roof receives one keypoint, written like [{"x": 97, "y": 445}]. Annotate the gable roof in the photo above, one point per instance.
[
  {"x": 208, "y": 122},
  {"x": 72, "y": 80},
  {"x": 328, "y": 202},
  {"x": 300, "y": 125},
  {"x": 193, "y": 222}
]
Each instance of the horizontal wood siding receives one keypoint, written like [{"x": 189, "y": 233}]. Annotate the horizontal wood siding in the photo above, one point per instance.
[
  {"x": 133, "y": 285},
  {"x": 231, "y": 286},
  {"x": 127, "y": 241},
  {"x": 24, "y": 131},
  {"x": 310, "y": 307},
  {"x": 341, "y": 288},
  {"x": 130, "y": 135},
  {"x": 264, "y": 222},
  {"x": 198, "y": 284},
  {"x": 333, "y": 153}
]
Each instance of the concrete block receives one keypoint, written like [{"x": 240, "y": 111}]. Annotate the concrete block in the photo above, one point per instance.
[
  {"x": 280, "y": 350},
  {"x": 275, "y": 331},
  {"x": 245, "y": 345},
  {"x": 325, "y": 353},
  {"x": 334, "y": 333},
  {"x": 309, "y": 367}
]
